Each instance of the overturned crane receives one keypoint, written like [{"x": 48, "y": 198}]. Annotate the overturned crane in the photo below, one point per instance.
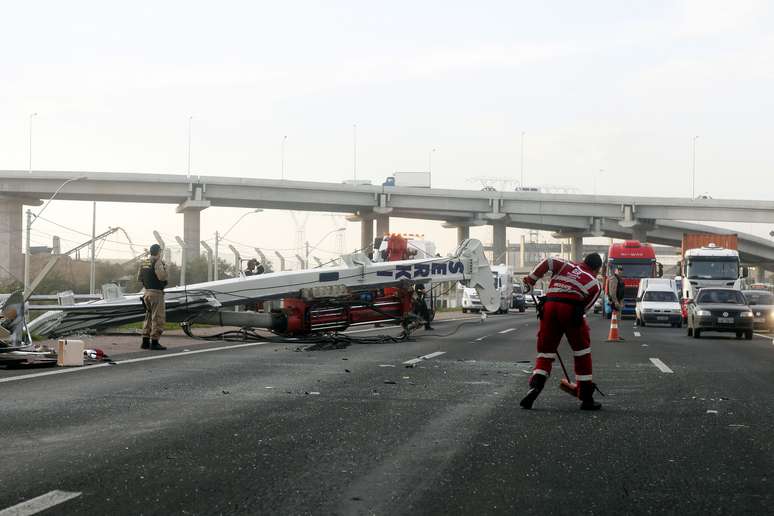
[{"x": 315, "y": 300}]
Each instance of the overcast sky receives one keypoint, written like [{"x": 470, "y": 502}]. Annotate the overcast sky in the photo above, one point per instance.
[{"x": 607, "y": 91}]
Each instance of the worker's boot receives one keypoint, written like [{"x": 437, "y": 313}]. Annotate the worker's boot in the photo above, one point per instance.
[
  {"x": 156, "y": 346},
  {"x": 536, "y": 384},
  {"x": 145, "y": 343},
  {"x": 586, "y": 395},
  {"x": 428, "y": 327}
]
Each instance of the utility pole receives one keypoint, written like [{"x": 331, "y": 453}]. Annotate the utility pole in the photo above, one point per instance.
[
  {"x": 307, "y": 254},
  {"x": 93, "y": 271},
  {"x": 215, "y": 265},
  {"x": 27, "y": 252}
]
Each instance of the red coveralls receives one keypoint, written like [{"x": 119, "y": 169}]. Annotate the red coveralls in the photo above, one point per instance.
[{"x": 574, "y": 282}]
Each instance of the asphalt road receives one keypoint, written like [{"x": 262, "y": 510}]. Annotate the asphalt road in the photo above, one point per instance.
[{"x": 268, "y": 429}]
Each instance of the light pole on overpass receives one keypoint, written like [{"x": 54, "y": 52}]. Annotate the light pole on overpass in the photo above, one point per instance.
[
  {"x": 693, "y": 173},
  {"x": 284, "y": 139},
  {"x": 522, "y": 159},
  {"x": 32, "y": 115},
  {"x": 31, "y": 218},
  {"x": 430, "y": 164},
  {"x": 188, "y": 173}
]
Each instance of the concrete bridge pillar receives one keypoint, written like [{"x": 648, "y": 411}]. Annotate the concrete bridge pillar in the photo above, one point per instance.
[
  {"x": 576, "y": 248},
  {"x": 498, "y": 243},
  {"x": 640, "y": 233},
  {"x": 366, "y": 235},
  {"x": 191, "y": 210},
  {"x": 463, "y": 233},
  {"x": 382, "y": 225},
  {"x": 11, "y": 258}
]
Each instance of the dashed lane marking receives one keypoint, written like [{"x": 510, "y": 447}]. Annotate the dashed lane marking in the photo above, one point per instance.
[
  {"x": 40, "y": 503},
  {"x": 661, "y": 365},
  {"x": 424, "y": 357},
  {"x": 508, "y": 330},
  {"x": 481, "y": 338},
  {"x": 129, "y": 361},
  {"x": 637, "y": 334}
]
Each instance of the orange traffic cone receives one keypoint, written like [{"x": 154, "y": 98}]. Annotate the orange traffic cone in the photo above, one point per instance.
[{"x": 613, "y": 335}]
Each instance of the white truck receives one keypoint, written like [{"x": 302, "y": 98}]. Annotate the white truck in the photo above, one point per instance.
[
  {"x": 711, "y": 266},
  {"x": 409, "y": 179},
  {"x": 503, "y": 283}
]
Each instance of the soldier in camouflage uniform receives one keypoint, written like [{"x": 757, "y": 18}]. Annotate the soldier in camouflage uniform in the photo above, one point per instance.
[{"x": 153, "y": 275}]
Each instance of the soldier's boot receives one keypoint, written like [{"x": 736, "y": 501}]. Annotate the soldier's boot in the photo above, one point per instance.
[
  {"x": 156, "y": 346},
  {"x": 586, "y": 395},
  {"x": 536, "y": 384},
  {"x": 146, "y": 343}
]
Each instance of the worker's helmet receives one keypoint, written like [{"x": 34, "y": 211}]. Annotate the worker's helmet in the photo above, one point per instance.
[{"x": 155, "y": 249}]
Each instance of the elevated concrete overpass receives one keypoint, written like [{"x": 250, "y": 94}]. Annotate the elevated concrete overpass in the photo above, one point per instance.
[{"x": 573, "y": 216}]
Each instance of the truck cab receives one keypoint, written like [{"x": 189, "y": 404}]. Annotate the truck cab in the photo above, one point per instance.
[
  {"x": 711, "y": 266},
  {"x": 638, "y": 261}
]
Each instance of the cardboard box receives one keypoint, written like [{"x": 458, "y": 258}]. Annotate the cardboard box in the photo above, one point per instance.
[{"x": 69, "y": 353}]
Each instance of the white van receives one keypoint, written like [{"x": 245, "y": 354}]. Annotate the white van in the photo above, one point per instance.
[
  {"x": 658, "y": 303},
  {"x": 502, "y": 277}
]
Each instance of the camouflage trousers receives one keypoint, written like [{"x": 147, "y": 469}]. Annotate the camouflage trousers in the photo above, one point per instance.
[{"x": 155, "y": 314}]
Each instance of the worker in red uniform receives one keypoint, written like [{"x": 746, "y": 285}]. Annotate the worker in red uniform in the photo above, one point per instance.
[{"x": 572, "y": 291}]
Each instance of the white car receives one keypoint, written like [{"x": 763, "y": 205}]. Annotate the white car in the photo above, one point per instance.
[
  {"x": 529, "y": 300},
  {"x": 470, "y": 301},
  {"x": 657, "y": 303}
]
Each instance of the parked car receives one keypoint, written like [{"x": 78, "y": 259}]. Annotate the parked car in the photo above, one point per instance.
[
  {"x": 529, "y": 301},
  {"x": 657, "y": 303},
  {"x": 761, "y": 302},
  {"x": 518, "y": 297},
  {"x": 720, "y": 309}
]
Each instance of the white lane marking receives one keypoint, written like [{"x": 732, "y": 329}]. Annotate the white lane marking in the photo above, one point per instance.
[
  {"x": 40, "y": 503},
  {"x": 661, "y": 365},
  {"x": 129, "y": 361},
  {"x": 766, "y": 337},
  {"x": 637, "y": 334},
  {"x": 195, "y": 352},
  {"x": 507, "y": 330},
  {"x": 388, "y": 326},
  {"x": 481, "y": 338},
  {"x": 424, "y": 357}
]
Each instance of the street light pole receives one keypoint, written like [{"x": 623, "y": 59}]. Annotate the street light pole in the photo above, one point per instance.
[
  {"x": 693, "y": 174},
  {"x": 430, "y": 164},
  {"x": 522, "y": 159},
  {"x": 312, "y": 248},
  {"x": 188, "y": 174},
  {"x": 284, "y": 138},
  {"x": 219, "y": 237},
  {"x": 32, "y": 115},
  {"x": 30, "y": 220},
  {"x": 354, "y": 154}
]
